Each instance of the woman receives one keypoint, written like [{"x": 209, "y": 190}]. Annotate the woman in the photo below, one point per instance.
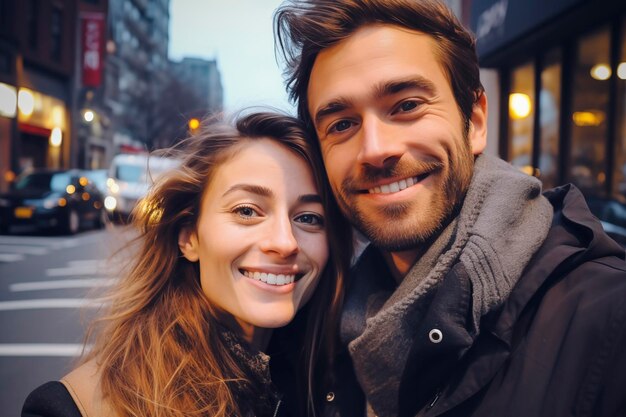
[{"x": 232, "y": 244}]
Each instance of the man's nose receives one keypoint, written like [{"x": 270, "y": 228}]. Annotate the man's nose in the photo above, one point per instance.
[
  {"x": 280, "y": 238},
  {"x": 379, "y": 147}
]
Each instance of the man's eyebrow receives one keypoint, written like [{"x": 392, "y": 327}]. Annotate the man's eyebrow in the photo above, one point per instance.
[
  {"x": 334, "y": 106},
  {"x": 396, "y": 86},
  {"x": 250, "y": 188}
]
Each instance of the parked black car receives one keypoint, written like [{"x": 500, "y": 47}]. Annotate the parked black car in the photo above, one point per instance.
[{"x": 63, "y": 200}]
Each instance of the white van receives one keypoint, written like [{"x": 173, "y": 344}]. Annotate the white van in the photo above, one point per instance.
[{"x": 130, "y": 177}]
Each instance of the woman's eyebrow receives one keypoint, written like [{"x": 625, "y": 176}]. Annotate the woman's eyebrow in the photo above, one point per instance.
[
  {"x": 250, "y": 188},
  {"x": 310, "y": 198}
]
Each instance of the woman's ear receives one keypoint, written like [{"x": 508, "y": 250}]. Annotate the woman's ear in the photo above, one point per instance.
[{"x": 188, "y": 244}]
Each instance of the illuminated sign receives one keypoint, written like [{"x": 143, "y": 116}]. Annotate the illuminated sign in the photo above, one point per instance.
[
  {"x": 93, "y": 45},
  {"x": 8, "y": 100}
]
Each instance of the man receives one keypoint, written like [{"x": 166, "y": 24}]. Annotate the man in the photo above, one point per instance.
[{"x": 479, "y": 296}]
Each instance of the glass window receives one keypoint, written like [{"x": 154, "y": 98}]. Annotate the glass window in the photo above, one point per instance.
[
  {"x": 56, "y": 26},
  {"x": 32, "y": 24},
  {"x": 4, "y": 13},
  {"x": 590, "y": 95},
  {"x": 549, "y": 115},
  {"x": 619, "y": 183},
  {"x": 521, "y": 116}
]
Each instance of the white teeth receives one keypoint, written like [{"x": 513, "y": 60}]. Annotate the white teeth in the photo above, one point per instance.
[
  {"x": 272, "y": 279},
  {"x": 394, "y": 187}
]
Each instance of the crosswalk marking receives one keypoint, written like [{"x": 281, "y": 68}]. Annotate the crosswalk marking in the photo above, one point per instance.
[
  {"x": 11, "y": 257},
  {"x": 28, "y": 250},
  {"x": 71, "y": 270},
  {"x": 37, "y": 241},
  {"x": 15, "y": 248},
  {"x": 42, "y": 349},
  {"x": 44, "y": 303},
  {"x": 58, "y": 284}
]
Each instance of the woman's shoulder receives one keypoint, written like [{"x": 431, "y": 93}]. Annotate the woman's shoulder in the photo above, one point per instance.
[
  {"x": 82, "y": 384},
  {"x": 77, "y": 394},
  {"x": 51, "y": 399}
]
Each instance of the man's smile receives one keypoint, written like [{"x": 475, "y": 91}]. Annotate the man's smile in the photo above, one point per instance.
[{"x": 398, "y": 185}]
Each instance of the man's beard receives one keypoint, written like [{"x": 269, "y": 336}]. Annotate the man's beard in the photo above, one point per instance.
[{"x": 416, "y": 228}]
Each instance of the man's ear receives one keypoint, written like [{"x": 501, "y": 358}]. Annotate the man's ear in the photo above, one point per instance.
[
  {"x": 188, "y": 244},
  {"x": 478, "y": 126}
]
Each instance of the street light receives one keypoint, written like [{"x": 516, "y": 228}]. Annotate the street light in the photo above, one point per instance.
[
  {"x": 88, "y": 116},
  {"x": 194, "y": 124}
]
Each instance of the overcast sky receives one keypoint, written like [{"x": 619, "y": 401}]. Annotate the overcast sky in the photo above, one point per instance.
[{"x": 238, "y": 33}]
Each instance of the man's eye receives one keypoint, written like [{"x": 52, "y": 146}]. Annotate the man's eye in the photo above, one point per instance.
[
  {"x": 407, "y": 106},
  {"x": 340, "y": 126},
  {"x": 245, "y": 211},
  {"x": 310, "y": 219}
]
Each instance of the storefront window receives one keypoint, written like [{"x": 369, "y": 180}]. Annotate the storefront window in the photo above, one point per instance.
[
  {"x": 549, "y": 115},
  {"x": 619, "y": 183},
  {"x": 590, "y": 95},
  {"x": 521, "y": 116}
]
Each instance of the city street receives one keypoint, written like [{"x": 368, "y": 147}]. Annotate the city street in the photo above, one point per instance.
[{"x": 48, "y": 292}]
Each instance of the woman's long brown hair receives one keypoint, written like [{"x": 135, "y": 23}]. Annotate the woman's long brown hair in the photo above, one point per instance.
[{"x": 158, "y": 347}]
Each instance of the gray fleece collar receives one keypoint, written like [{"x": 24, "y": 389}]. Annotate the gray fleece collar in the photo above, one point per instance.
[{"x": 503, "y": 221}]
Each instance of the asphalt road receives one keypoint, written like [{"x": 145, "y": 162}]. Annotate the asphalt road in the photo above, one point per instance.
[{"x": 49, "y": 288}]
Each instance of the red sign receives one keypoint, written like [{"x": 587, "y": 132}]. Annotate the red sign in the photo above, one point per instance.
[{"x": 93, "y": 46}]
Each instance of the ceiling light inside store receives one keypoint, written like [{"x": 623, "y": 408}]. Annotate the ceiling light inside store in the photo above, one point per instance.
[
  {"x": 588, "y": 118},
  {"x": 26, "y": 102},
  {"x": 621, "y": 71},
  {"x": 56, "y": 137},
  {"x": 600, "y": 72},
  {"x": 519, "y": 105}
]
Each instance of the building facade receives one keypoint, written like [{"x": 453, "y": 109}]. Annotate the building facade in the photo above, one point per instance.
[
  {"x": 556, "y": 81},
  {"x": 194, "y": 92},
  {"x": 38, "y": 50},
  {"x": 137, "y": 70}
]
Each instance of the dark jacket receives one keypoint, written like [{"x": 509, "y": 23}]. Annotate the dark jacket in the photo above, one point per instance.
[{"x": 556, "y": 347}]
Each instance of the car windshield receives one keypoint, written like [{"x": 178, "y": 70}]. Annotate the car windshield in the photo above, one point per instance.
[
  {"x": 44, "y": 181},
  {"x": 98, "y": 177},
  {"x": 129, "y": 173}
]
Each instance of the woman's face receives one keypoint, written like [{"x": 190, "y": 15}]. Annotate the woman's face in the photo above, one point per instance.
[{"x": 260, "y": 238}]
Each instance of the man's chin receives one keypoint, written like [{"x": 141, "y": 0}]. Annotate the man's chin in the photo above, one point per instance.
[{"x": 394, "y": 243}]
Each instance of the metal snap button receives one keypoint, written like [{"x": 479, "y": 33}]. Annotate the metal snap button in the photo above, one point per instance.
[
  {"x": 435, "y": 336},
  {"x": 330, "y": 396}
]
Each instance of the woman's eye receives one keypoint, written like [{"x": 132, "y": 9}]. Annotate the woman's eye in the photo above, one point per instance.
[
  {"x": 310, "y": 219},
  {"x": 245, "y": 211}
]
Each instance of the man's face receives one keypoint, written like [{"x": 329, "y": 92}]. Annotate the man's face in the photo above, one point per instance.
[{"x": 391, "y": 134}]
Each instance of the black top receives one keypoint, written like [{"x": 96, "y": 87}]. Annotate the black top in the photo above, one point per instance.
[{"x": 51, "y": 399}]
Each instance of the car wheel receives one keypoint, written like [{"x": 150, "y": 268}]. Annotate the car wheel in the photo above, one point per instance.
[
  {"x": 100, "y": 220},
  {"x": 73, "y": 222}
]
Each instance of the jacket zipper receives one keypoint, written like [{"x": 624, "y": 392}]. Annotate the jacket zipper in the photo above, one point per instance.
[
  {"x": 277, "y": 407},
  {"x": 434, "y": 401}
]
